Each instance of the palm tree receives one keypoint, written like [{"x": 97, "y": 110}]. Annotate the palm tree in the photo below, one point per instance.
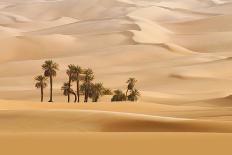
[
  {"x": 41, "y": 83},
  {"x": 131, "y": 84},
  {"x": 70, "y": 73},
  {"x": 77, "y": 70},
  {"x": 88, "y": 78},
  {"x": 134, "y": 95},
  {"x": 67, "y": 90},
  {"x": 96, "y": 91},
  {"x": 118, "y": 96},
  {"x": 50, "y": 69}
]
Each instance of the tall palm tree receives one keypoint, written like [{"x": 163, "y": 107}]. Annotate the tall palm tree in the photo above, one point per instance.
[
  {"x": 50, "y": 69},
  {"x": 70, "y": 73},
  {"x": 41, "y": 83},
  {"x": 88, "y": 78},
  {"x": 134, "y": 95},
  {"x": 67, "y": 90},
  {"x": 77, "y": 74},
  {"x": 96, "y": 91},
  {"x": 130, "y": 85}
]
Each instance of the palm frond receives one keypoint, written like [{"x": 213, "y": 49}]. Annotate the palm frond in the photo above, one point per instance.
[
  {"x": 40, "y": 81},
  {"x": 50, "y": 68}
]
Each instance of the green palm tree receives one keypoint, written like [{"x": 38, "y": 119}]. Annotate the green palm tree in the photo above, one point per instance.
[
  {"x": 50, "y": 69},
  {"x": 130, "y": 85},
  {"x": 67, "y": 91},
  {"x": 70, "y": 72},
  {"x": 134, "y": 95},
  {"x": 41, "y": 83},
  {"x": 88, "y": 78},
  {"x": 96, "y": 91},
  {"x": 118, "y": 96},
  {"x": 77, "y": 75}
]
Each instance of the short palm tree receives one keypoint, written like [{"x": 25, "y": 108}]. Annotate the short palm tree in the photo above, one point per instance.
[
  {"x": 96, "y": 91},
  {"x": 67, "y": 90},
  {"x": 41, "y": 83},
  {"x": 118, "y": 96},
  {"x": 88, "y": 78},
  {"x": 130, "y": 85},
  {"x": 50, "y": 69},
  {"x": 134, "y": 95}
]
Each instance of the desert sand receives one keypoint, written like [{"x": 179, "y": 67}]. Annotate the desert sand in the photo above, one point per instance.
[
  {"x": 179, "y": 50},
  {"x": 176, "y": 49},
  {"x": 113, "y": 128}
]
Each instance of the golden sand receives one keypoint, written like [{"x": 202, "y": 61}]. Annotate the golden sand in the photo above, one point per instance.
[{"x": 179, "y": 50}]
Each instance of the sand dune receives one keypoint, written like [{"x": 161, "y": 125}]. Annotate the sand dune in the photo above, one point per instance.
[
  {"x": 162, "y": 38},
  {"x": 97, "y": 121},
  {"x": 178, "y": 50},
  {"x": 217, "y": 24},
  {"x": 35, "y": 117}
]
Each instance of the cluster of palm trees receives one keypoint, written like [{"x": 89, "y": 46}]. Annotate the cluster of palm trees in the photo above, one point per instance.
[
  {"x": 83, "y": 79},
  {"x": 50, "y": 70},
  {"x": 133, "y": 92}
]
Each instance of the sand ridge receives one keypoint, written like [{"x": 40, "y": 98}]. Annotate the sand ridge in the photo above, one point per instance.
[{"x": 26, "y": 117}]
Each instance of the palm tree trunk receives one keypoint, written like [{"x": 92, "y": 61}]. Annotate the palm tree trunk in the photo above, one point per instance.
[
  {"x": 86, "y": 94},
  {"x": 75, "y": 97},
  {"x": 78, "y": 89},
  {"x": 42, "y": 94},
  {"x": 51, "y": 89},
  {"x": 69, "y": 86},
  {"x": 127, "y": 93}
]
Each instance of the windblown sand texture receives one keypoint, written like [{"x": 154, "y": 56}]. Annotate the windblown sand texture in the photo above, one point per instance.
[{"x": 179, "y": 50}]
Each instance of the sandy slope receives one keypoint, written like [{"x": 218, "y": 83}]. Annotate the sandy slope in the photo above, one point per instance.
[
  {"x": 25, "y": 117},
  {"x": 35, "y": 128},
  {"x": 116, "y": 143},
  {"x": 99, "y": 121},
  {"x": 180, "y": 51}
]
